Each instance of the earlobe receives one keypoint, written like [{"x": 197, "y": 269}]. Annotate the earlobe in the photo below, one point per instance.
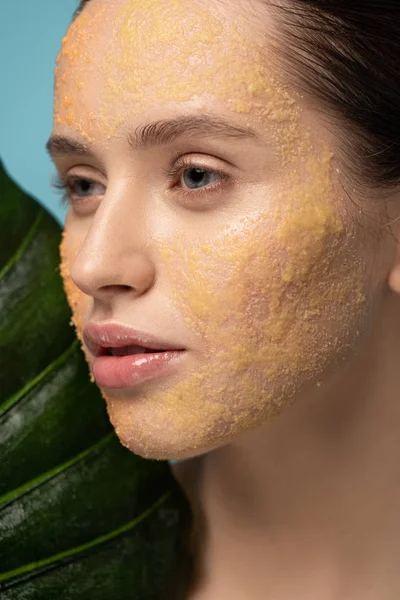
[
  {"x": 394, "y": 279},
  {"x": 394, "y": 276}
]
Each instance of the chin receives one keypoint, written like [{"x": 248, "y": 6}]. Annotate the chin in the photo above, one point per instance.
[
  {"x": 156, "y": 448},
  {"x": 150, "y": 435}
]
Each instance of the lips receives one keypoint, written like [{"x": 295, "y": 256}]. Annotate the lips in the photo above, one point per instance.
[
  {"x": 114, "y": 339},
  {"x": 126, "y": 358}
]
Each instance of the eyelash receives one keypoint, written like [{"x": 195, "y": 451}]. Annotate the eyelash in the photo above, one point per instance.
[{"x": 63, "y": 185}]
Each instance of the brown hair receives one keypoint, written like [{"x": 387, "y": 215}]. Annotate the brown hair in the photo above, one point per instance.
[{"x": 346, "y": 54}]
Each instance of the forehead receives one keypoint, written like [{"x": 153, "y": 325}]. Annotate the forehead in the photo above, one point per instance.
[{"x": 122, "y": 57}]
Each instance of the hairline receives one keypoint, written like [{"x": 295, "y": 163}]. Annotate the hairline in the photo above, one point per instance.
[{"x": 80, "y": 9}]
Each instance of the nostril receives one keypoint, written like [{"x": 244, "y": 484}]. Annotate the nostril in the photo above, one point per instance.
[{"x": 115, "y": 287}]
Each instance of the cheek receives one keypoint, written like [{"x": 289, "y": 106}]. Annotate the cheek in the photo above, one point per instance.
[
  {"x": 270, "y": 306},
  {"x": 272, "y": 317},
  {"x": 265, "y": 334},
  {"x": 78, "y": 301}
]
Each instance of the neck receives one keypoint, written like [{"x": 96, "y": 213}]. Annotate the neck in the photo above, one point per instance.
[{"x": 307, "y": 505}]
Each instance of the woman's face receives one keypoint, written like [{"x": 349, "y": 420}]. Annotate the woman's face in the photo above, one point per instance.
[{"x": 206, "y": 211}]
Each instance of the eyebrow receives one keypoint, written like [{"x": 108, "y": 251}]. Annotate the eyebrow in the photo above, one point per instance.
[
  {"x": 159, "y": 133},
  {"x": 167, "y": 131},
  {"x": 59, "y": 144}
]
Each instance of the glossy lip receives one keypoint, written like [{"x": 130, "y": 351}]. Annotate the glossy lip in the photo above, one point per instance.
[
  {"x": 99, "y": 337},
  {"x": 129, "y": 370}
]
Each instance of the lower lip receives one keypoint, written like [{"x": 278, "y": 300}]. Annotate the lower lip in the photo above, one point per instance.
[{"x": 117, "y": 372}]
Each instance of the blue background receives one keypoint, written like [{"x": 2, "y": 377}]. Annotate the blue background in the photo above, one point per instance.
[{"x": 30, "y": 37}]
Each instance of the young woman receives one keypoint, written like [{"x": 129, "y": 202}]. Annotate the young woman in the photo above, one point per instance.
[{"x": 232, "y": 259}]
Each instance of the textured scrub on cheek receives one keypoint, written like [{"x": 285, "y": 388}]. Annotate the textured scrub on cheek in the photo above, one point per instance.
[
  {"x": 79, "y": 302},
  {"x": 275, "y": 296},
  {"x": 277, "y": 304}
]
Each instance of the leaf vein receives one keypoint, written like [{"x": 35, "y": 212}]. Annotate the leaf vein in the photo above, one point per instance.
[
  {"x": 15, "y": 398},
  {"x": 12, "y": 495},
  {"x": 22, "y": 247},
  {"x": 75, "y": 553}
]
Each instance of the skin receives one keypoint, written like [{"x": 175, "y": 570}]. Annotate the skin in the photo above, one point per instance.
[{"x": 269, "y": 276}]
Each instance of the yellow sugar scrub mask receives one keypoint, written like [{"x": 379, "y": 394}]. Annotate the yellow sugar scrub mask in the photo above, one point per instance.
[
  {"x": 286, "y": 313},
  {"x": 77, "y": 300},
  {"x": 160, "y": 53},
  {"x": 276, "y": 295},
  {"x": 277, "y": 301}
]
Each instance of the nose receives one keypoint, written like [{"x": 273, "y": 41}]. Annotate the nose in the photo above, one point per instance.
[{"x": 112, "y": 259}]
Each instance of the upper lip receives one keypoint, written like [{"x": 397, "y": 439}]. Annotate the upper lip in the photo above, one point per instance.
[{"x": 115, "y": 335}]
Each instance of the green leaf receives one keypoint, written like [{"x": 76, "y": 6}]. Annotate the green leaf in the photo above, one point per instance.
[{"x": 81, "y": 517}]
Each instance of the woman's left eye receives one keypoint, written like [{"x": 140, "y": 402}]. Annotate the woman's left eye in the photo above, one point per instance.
[{"x": 195, "y": 177}]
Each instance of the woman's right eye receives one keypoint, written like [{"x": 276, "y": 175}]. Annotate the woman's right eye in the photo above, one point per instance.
[
  {"x": 81, "y": 187},
  {"x": 75, "y": 190}
]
